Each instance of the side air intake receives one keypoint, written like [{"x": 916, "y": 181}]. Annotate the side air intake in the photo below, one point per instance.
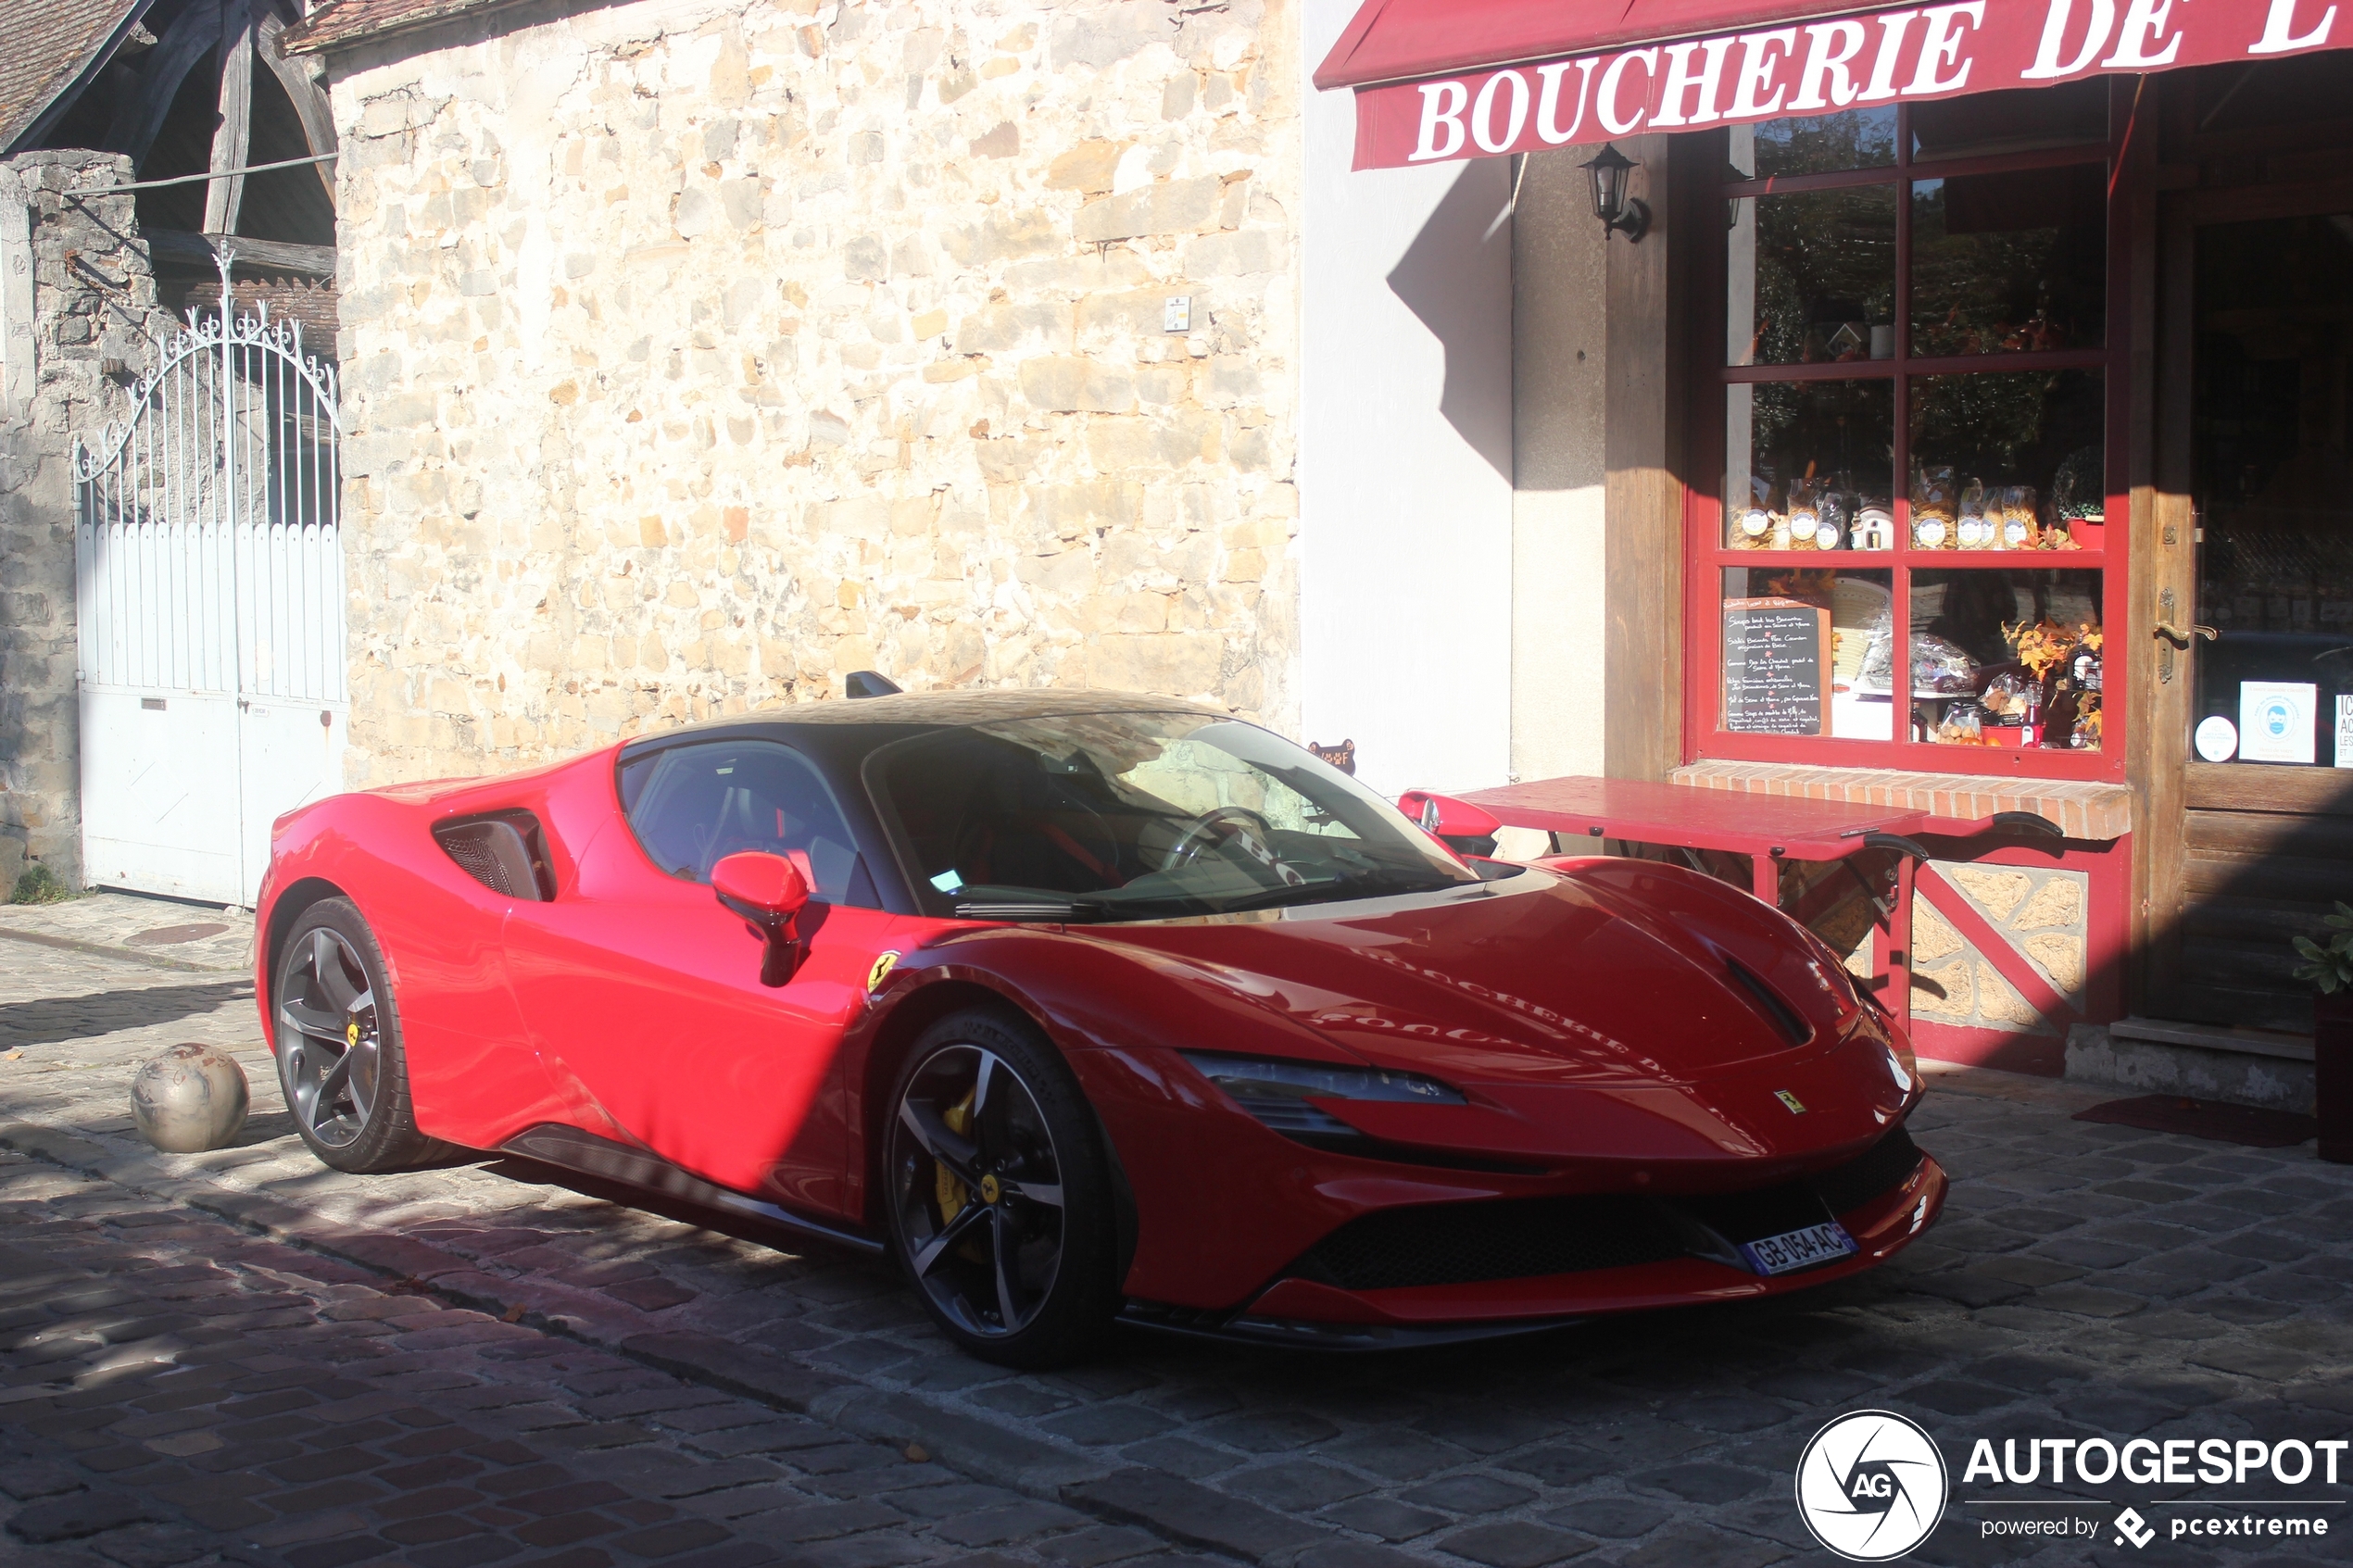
[{"x": 502, "y": 852}]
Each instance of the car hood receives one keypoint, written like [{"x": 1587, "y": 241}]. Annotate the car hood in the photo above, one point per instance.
[{"x": 1592, "y": 974}]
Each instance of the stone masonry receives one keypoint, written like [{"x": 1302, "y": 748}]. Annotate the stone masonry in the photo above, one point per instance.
[
  {"x": 93, "y": 300},
  {"x": 698, "y": 352}
]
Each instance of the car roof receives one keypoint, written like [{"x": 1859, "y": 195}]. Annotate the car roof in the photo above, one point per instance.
[
  {"x": 841, "y": 731},
  {"x": 923, "y": 711}
]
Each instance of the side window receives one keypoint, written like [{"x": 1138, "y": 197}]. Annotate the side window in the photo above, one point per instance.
[{"x": 692, "y": 805}]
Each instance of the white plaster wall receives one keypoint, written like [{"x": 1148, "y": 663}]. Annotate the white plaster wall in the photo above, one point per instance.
[
  {"x": 1405, "y": 454},
  {"x": 1561, "y": 374}
]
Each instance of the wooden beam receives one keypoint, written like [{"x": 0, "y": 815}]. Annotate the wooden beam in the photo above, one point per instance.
[
  {"x": 1643, "y": 438},
  {"x": 303, "y": 81},
  {"x": 232, "y": 139},
  {"x": 178, "y": 244},
  {"x": 141, "y": 114}
]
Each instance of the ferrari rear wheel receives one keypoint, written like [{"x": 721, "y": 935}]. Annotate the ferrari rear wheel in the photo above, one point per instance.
[
  {"x": 338, "y": 1034},
  {"x": 1000, "y": 1207}
]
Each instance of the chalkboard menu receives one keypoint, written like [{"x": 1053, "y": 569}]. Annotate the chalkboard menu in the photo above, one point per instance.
[{"x": 1776, "y": 667}]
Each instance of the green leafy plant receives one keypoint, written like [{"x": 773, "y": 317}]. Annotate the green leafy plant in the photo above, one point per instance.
[
  {"x": 39, "y": 885},
  {"x": 2329, "y": 965}
]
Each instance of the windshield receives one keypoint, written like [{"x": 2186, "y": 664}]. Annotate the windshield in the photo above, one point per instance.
[{"x": 1136, "y": 816}]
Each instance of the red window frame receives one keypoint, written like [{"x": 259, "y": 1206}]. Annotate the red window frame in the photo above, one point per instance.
[{"x": 2102, "y": 549}]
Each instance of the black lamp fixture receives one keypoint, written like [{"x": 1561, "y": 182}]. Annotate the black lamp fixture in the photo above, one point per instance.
[{"x": 1617, "y": 211}]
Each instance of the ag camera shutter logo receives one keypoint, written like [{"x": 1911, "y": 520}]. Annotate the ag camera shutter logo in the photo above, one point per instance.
[{"x": 1870, "y": 1485}]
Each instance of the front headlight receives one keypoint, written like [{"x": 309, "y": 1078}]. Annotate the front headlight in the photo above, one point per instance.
[{"x": 1280, "y": 1093}]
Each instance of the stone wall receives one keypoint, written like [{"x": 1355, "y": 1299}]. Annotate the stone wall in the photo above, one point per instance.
[
  {"x": 91, "y": 300},
  {"x": 698, "y": 352}
]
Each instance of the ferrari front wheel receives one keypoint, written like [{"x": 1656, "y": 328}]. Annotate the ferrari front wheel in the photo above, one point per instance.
[
  {"x": 338, "y": 1038},
  {"x": 999, "y": 1200}
]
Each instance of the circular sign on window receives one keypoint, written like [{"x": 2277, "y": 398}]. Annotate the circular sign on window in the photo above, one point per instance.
[{"x": 2218, "y": 739}]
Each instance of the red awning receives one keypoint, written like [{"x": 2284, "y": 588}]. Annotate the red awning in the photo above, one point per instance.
[{"x": 1438, "y": 80}]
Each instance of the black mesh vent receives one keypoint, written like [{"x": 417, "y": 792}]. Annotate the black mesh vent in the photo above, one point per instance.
[
  {"x": 502, "y": 852},
  {"x": 1866, "y": 1176},
  {"x": 1509, "y": 1238},
  {"x": 474, "y": 858}
]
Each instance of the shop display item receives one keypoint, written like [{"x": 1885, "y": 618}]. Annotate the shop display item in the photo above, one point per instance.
[
  {"x": 1835, "y": 517},
  {"x": 1805, "y": 513},
  {"x": 1934, "y": 499},
  {"x": 1973, "y": 530},
  {"x": 751, "y": 947},
  {"x": 1938, "y": 667},
  {"x": 2019, "y": 528},
  {"x": 1874, "y": 527}
]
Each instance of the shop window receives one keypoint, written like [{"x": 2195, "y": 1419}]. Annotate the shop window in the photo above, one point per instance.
[{"x": 1908, "y": 548}]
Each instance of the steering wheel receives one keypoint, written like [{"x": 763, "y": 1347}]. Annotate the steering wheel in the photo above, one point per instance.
[{"x": 1214, "y": 826}]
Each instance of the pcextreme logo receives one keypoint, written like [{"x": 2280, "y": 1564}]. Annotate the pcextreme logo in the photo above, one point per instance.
[{"x": 1870, "y": 1485}]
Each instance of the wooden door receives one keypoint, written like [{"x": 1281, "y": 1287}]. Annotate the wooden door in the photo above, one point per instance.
[{"x": 2245, "y": 572}]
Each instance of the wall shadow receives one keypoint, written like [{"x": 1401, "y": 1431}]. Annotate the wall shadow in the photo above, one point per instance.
[{"x": 1436, "y": 278}]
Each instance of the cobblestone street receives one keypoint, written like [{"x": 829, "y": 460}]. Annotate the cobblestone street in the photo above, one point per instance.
[{"x": 246, "y": 1354}]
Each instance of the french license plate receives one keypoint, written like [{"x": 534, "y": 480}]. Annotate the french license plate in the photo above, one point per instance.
[{"x": 1798, "y": 1250}]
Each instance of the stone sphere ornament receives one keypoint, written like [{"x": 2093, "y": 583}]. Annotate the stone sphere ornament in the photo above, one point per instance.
[{"x": 191, "y": 1098}]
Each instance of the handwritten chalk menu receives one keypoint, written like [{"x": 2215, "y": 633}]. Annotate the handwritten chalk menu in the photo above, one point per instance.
[{"x": 1776, "y": 667}]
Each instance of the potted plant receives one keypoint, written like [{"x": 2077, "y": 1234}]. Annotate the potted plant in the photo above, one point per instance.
[{"x": 2329, "y": 966}]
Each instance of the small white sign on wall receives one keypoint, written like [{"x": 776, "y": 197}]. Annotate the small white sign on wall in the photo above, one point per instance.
[
  {"x": 2344, "y": 731},
  {"x": 2276, "y": 721}
]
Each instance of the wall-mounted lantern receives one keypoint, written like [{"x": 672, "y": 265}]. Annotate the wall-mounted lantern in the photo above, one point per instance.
[{"x": 1617, "y": 211}]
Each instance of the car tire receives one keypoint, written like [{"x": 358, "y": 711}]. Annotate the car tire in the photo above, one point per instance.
[
  {"x": 339, "y": 1051},
  {"x": 999, "y": 1199}
]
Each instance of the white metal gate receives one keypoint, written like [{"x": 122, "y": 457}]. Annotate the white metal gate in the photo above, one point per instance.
[{"x": 210, "y": 591}]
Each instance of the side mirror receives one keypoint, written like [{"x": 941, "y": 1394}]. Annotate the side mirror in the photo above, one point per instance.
[
  {"x": 1458, "y": 824},
  {"x": 769, "y": 891}
]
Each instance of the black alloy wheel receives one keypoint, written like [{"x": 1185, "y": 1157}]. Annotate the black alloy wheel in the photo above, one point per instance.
[
  {"x": 338, "y": 1038},
  {"x": 1000, "y": 1207}
]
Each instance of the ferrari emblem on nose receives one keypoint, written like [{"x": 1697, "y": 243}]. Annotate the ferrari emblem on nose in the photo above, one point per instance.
[
  {"x": 881, "y": 972},
  {"x": 1795, "y": 1106}
]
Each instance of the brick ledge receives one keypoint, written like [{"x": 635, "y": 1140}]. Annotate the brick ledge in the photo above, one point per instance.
[{"x": 2080, "y": 811}]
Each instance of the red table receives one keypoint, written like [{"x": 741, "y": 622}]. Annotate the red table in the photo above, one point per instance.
[{"x": 1772, "y": 829}]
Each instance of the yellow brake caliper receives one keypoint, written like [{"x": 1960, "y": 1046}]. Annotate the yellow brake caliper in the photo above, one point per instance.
[{"x": 951, "y": 1192}]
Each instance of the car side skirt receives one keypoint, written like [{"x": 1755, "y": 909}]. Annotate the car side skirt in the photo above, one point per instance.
[{"x": 589, "y": 1155}]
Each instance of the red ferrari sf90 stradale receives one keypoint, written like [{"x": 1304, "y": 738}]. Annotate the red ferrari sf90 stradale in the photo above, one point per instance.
[{"x": 1092, "y": 1009}]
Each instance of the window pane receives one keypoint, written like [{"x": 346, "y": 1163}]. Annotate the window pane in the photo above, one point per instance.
[
  {"x": 1812, "y": 277},
  {"x": 2008, "y": 461},
  {"x": 2006, "y": 658},
  {"x": 1810, "y": 465},
  {"x": 1792, "y": 634},
  {"x": 2273, "y": 407},
  {"x": 2005, "y": 262},
  {"x": 692, "y": 806},
  {"x": 2010, "y": 122},
  {"x": 1819, "y": 144}
]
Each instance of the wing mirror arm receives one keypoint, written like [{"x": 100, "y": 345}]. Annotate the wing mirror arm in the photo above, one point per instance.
[{"x": 770, "y": 892}]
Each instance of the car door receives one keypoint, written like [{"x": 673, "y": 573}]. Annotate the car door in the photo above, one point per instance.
[{"x": 644, "y": 992}]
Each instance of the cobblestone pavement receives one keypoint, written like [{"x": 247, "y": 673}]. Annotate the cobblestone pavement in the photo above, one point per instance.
[{"x": 2088, "y": 1280}]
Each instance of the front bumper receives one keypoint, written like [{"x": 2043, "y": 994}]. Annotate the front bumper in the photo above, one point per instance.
[{"x": 1455, "y": 1271}]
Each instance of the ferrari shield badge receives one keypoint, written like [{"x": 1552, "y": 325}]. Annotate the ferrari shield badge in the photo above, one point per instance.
[
  {"x": 881, "y": 972},
  {"x": 1794, "y": 1106}
]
